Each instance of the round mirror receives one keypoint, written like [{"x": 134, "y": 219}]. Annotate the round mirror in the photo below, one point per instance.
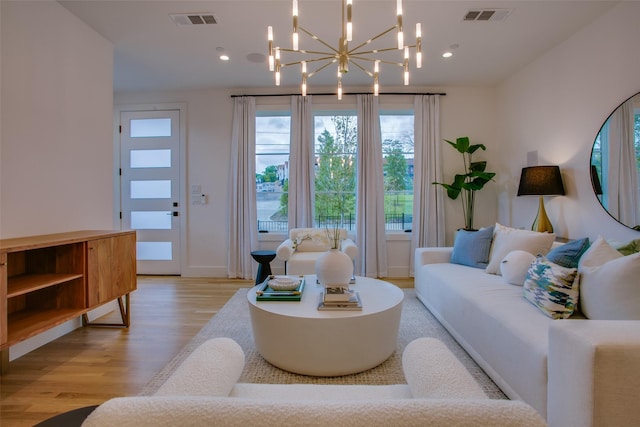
[{"x": 615, "y": 163}]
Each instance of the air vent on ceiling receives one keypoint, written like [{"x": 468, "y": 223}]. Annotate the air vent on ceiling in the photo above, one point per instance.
[
  {"x": 183, "y": 19},
  {"x": 485, "y": 15}
]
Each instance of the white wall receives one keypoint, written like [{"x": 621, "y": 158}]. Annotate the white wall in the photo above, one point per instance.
[
  {"x": 56, "y": 129},
  {"x": 464, "y": 112},
  {"x": 57, "y": 100},
  {"x": 556, "y": 106}
]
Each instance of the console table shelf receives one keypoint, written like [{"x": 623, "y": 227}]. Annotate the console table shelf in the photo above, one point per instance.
[
  {"x": 26, "y": 283},
  {"x": 50, "y": 279},
  {"x": 26, "y": 324}
]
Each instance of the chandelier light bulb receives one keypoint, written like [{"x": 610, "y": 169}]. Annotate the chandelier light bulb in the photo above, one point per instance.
[
  {"x": 376, "y": 85},
  {"x": 277, "y": 67},
  {"x": 349, "y": 20},
  {"x": 399, "y": 7},
  {"x": 339, "y": 89},
  {"x": 418, "y": 30},
  {"x": 376, "y": 66},
  {"x": 270, "y": 40},
  {"x": 294, "y": 9},
  {"x": 295, "y": 41}
]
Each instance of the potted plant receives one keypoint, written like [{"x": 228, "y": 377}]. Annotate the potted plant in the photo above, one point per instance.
[{"x": 474, "y": 178}]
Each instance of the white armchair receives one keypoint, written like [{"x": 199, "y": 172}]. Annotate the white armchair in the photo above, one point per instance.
[{"x": 304, "y": 245}]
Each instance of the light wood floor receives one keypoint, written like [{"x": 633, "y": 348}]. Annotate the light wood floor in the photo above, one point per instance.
[{"x": 91, "y": 365}]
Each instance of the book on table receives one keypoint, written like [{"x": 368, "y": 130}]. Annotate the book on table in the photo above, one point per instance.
[
  {"x": 337, "y": 294},
  {"x": 353, "y": 303}
]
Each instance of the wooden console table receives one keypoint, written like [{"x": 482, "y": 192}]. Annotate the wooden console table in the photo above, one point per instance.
[{"x": 50, "y": 279}]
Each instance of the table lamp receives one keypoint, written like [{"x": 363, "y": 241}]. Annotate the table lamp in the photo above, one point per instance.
[{"x": 541, "y": 181}]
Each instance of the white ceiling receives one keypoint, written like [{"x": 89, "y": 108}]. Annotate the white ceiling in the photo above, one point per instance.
[{"x": 153, "y": 53}]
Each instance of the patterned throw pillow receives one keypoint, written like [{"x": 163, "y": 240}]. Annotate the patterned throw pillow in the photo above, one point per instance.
[
  {"x": 552, "y": 288},
  {"x": 630, "y": 248},
  {"x": 568, "y": 255}
]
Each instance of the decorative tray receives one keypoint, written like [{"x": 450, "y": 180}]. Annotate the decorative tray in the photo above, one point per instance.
[{"x": 265, "y": 293}]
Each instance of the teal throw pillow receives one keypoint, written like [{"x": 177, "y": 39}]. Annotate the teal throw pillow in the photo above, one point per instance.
[
  {"x": 568, "y": 255},
  {"x": 472, "y": 248},
  {"x": 552, "y": 288},
  {"x": 630, "y": 248}
]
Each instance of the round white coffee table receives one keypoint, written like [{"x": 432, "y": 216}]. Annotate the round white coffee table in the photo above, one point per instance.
[{"x": 297, "y": 337}]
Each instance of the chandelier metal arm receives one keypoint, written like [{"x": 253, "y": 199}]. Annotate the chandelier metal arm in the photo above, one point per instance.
[
  {"x": 369, "y": 73},
  {"x": 375, "y": 38},
  {"x": 331, "y": 60},
  {"x": 371, "y": 52},
  {"x": 318, "y": 39},
  {"x": 362, "y": 58},
  {"x": 310, "y": 52},
  {"x": 321, "y": 68}
]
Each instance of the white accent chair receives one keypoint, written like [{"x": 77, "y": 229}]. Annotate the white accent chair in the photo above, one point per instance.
[{"x": 304, "y": 245}]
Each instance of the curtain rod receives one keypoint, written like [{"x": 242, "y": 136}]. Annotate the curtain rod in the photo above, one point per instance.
[{"x": 344, "y": 94}]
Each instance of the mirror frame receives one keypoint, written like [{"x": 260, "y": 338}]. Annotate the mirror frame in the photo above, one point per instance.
[{"x": 595, "y": 180}]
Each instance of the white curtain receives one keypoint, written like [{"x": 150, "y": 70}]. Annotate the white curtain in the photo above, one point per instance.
[
  {"x": 428, "y": 201},
  {"x": 301, "y": 162},
  {"x": 243, "y": 225},
  {"x": 622, "y": 184},
  {"x": 370, "y": 235}
]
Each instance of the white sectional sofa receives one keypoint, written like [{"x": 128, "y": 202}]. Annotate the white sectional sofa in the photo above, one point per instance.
[
  {"x": 574, "y": 372},
  {"x": 203, "y": 392}
]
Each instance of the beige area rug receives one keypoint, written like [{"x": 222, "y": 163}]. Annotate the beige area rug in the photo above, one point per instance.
[{"x": 234, "y": 321}]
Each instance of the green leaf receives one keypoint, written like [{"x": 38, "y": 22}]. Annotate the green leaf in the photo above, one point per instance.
[
  {"x": 473, "y": 148},
  {"x": 462, "y": 144},
  {"x": 478, "y": 166}
]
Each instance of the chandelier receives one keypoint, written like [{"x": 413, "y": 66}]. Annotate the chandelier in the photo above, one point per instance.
[{"x": 361, "y": 56}]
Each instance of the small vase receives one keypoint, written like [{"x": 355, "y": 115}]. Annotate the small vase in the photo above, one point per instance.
[{"x": 334, "y": 268}]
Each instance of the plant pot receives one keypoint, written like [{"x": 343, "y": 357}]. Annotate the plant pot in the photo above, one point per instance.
[{"x": 334, "y": 268}]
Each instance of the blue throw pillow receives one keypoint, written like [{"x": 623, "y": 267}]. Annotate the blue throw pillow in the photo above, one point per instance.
[
  {"x": 568, "y": 255},
  {"x": 472, "y": 247}
]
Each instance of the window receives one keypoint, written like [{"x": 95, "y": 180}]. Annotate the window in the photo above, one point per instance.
[
  {"x": 335, "y": 139},
  {"x": 397, "y": 129},
  {"x": 273, "y": 129},
  {"x": 335, "y": 142}
]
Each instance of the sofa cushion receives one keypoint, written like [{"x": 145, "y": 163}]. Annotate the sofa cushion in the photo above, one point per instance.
[
  {"x": 492, "y": 321},
  {"x": 598, "y": 253},
  {"x": 472, "y": 247},
  {"x": 507, "y": 239},
  {"x": 610, "y": 291},
  {"x": 568, "y": 255},
  {"x": 514, "y": 267},
  {"x": 552, "y": 288}
]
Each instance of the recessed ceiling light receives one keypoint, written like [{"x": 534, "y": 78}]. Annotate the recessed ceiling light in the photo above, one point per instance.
[
  {"x": 224, "y": 57},
  {"x": 447, "y": 54}
]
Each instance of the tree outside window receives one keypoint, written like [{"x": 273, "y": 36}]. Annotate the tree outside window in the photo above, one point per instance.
[{"x": 335, "y": 170}]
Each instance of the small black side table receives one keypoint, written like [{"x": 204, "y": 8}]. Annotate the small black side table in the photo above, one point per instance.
[{"x": 264, "y": 269}]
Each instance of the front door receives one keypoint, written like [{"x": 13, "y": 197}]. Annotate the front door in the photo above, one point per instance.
[{"x": 150, "y": 187}]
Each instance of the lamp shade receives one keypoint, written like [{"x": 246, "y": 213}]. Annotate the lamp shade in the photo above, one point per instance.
[{"x": 541, "y": 181}]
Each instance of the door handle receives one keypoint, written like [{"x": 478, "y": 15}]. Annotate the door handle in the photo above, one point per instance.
[{"x": 174, "y": 213}]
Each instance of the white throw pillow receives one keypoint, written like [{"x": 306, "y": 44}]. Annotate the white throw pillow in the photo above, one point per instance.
[
  {"x": 514, "y": 267},
  {"x": 599, "y": 253},
  {"x": 507, "y": 239},
  {"x": 611, "y": 291}
]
